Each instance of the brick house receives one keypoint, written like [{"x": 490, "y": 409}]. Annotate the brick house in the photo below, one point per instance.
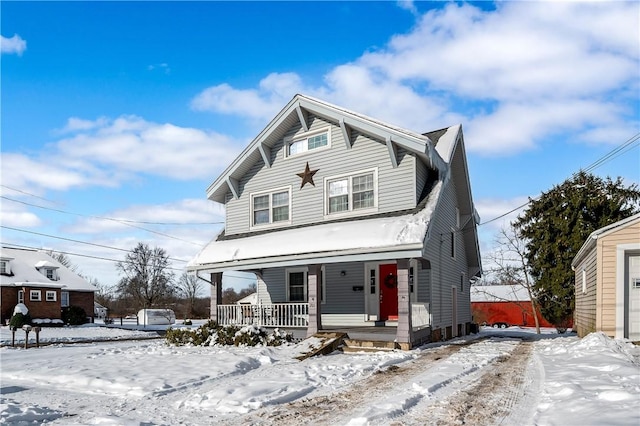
[{"x": 42, "y": 283}]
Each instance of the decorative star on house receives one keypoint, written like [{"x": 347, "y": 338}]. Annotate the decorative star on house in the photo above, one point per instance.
[{"x": 307, "y": 176}]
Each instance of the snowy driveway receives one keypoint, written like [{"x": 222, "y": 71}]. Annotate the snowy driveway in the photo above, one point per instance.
[{"x": 484, "y": 380}]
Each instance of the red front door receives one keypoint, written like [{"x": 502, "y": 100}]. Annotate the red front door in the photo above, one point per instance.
[{"x": 388, "y": 292}]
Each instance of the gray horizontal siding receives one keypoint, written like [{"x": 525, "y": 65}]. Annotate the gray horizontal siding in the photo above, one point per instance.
[
  {"x": 445, "y": 269},
  {"x": 340, "y": 297},
  {"x": 396, "y": 187}
]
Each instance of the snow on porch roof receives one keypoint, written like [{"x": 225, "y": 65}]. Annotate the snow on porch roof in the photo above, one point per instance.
[{"x": 302, "y": 245}]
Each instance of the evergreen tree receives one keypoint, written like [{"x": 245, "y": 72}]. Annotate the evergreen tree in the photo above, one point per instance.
[{"x": 557, "y": 224}]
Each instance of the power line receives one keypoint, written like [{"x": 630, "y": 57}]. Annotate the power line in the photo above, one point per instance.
[
  {"x": 123, "y": 221},
  {"x": 108, "y": 259},
  {"x": 76, "y": 241},
  {"x": 614, "y": 153},
  {"x": 28, "y": 193}
]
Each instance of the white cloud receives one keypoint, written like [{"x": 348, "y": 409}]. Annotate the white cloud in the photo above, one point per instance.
[
  {"x": 514, "y": 76},
  {"x": 262, "y": 103},
  {"x": 14, "y": 44},
  {"x": 408, "y": 5},
  {"x": 185, "y": 212}
]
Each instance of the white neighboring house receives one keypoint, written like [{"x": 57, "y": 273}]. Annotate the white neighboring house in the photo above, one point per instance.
[{"x": 42, "y": 283}]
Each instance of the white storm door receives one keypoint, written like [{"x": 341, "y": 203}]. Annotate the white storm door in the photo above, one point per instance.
[{"x": 633, "y": 283}]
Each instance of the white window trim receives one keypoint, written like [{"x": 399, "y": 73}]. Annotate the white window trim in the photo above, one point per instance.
[
  {"x": 37, "y": 294},
  {"x": 303, "y": 269},
  {"x": 5, "y": 268},
  {"x": 53, "y": 295},
  {"x": 584, "y": 281},
  {"x": 306, "y": 135},
  {"x": 271, "y": 223},
  {"x": 20, "y": 296},
  {"x": 351, "y": 211}
]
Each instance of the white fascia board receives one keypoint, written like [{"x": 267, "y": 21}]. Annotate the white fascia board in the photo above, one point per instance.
[
  {"x": 38, "y": 284},
  {"x": 382, "y": 253}
]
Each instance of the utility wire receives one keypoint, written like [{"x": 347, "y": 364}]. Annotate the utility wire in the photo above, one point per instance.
[
  {"x": 28, "y": 193},
  {"x": 123, "y": 222},
  {"x": 616, "y": 152},
  {"x": 13, "y": 245},
  {"x": 76, "y": 241}
]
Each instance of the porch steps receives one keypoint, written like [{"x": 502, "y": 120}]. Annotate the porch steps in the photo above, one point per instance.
[
  {"x": 351, "y": 346},
  {"x": 321, "y": 343}
]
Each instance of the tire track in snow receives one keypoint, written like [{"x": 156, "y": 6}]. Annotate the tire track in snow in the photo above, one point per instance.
[
  {"x": 491, "y": 398},
  {"x": 389, "y": 389}
]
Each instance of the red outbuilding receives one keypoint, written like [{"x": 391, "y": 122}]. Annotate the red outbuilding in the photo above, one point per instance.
[{"x": 503, "y": 306}]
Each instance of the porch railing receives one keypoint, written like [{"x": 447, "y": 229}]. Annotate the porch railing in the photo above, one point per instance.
[
  {"x": 290, "y": 315},
  {"x": 420, "y": 316}
]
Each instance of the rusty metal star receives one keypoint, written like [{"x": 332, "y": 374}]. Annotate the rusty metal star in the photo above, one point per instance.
[{"x": 307, "y": 176}]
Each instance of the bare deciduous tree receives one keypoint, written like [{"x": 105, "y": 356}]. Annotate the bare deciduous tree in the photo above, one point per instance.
[
  {"x": 147, "y": 278},
  {"x": 189, "y": 288},
  {"x": 511, "y": 268}
]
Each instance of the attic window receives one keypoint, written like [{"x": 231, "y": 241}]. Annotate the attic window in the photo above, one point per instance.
[{"x": 308, "y": 142}]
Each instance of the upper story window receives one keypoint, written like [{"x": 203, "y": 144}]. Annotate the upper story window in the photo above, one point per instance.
[
  {"x": 50, "y": 273},
  {"x": 5, "y": 266},
  {"x": 352, "y": 193},
  {"x": 272, "y": 207},
  {"x": 308, "y": 141}
]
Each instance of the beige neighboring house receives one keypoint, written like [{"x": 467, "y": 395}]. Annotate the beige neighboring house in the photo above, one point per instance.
[{"x": 607, "y": 281}]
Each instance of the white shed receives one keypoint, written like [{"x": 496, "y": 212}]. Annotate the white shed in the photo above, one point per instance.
[{"x": 156, "y": 317}]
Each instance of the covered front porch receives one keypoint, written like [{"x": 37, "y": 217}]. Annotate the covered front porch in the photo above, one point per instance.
[{"x": 384, "y": 300}]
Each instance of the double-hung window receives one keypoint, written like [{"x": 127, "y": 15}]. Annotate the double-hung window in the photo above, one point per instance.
[
  {"x": 35, "y": 295},
  {"x": 352, "y": 193},
  {"x": 297, "y": 284},
  {"x": 272, "y": 207},
  {"x": 309, "y": 141},
  {"x": 50, "y": 296}
]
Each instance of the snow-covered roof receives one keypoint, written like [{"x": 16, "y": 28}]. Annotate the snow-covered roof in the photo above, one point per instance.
[
  {"x": 499, "y": 293},
  {"x": 599, "y": 233},
  {"x": 251, "y": 299},
  {"x": 361, "y": 239},
  {"x": 23, "y": 267}
]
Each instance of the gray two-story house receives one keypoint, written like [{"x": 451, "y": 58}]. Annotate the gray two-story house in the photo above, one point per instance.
[{"x": 347, "y": 221}]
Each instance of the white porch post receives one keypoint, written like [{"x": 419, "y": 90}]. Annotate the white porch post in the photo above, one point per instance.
[
  {"x": 404, "y": 333},
  {"x": 313, "y": 293},
  {"x": 216, "y": 295}
]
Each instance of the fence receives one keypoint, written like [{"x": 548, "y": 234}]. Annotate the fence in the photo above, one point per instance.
[{"x": 269, "y": 315}]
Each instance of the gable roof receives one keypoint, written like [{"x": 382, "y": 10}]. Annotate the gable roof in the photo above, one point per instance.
[
  {"x": 296, "y": 112},
  {"x": 590, "y": 243},
  {"x": 24, "y": 264}
]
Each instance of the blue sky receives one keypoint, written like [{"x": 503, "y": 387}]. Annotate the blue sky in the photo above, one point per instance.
[{"x": 130, "y": 110}]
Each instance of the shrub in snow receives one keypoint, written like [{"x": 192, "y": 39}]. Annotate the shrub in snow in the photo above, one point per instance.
[
  {"x": 213, "y": 334},
  {"x": 74, "y": 315},
  {"x": 19, "y": 319},
  {"x": 187, "y": 322},
  {"x": 21, "y": 308}
]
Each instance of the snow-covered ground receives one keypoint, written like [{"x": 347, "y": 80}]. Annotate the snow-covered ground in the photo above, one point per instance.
[{"x": 508, "y": 377}]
